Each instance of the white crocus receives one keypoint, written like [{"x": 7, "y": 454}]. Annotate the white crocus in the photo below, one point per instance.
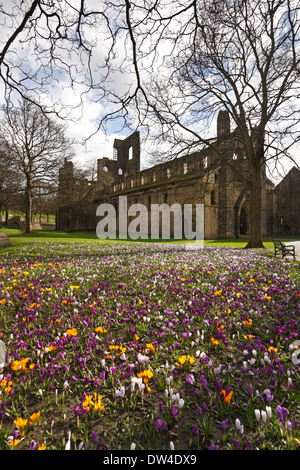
[
  {"x": 68, "y": 444},
  {"x": 269, "y": 411}
]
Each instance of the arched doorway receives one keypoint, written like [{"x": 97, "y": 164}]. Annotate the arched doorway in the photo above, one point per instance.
[{"x": 244, "y": 227}]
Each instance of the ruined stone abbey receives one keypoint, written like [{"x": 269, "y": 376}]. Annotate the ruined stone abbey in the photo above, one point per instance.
[{"x": 204, "y": 177}]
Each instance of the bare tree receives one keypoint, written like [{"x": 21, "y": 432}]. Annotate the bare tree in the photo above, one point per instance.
[
  {"x": 239, "y": 56},
  {"x": 9, "y": 182},
  {"x": 170, "y": 67},
  {"x": 37, "y": 146}
]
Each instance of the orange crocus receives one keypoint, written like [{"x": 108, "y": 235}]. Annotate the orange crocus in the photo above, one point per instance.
[
  {"x": 227, "y": 397},
  {"x": 72, "y": 332},
  {"x": 214, "y": 341}
]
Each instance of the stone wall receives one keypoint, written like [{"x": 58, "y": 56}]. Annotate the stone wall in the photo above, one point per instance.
[
  {"x": 199, "y": 178},
  {"x": 284, "y": 206}
]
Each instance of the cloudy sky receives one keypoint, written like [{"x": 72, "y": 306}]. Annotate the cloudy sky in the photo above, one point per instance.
[
  {"x": 65, "y": 81},
  {"x": 81, "y": 99}
]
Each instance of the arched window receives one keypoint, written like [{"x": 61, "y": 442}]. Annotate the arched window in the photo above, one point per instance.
[
  {"x": 120, "y": 171},
  {"x": 213, "y": 198},
  {"x": 130, "y": 154},
  {"x": 105, "y": 168}
]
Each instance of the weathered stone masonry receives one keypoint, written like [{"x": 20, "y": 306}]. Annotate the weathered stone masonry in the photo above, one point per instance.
[{"x": 201, "y": 177}]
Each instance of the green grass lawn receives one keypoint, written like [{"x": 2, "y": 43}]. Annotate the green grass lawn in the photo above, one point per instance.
[{"x": 18, "y": 237}]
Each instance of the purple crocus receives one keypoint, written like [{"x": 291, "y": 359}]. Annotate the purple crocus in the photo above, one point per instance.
[
  {"x": 190, "y": 379},
  {"x": 281, "y": 413},
  {"x": 213, "y": 446},
  {"x": 225, "y": 424},
  {"x": 195, "y": 430},
  {"x": 159, "y": 424}
]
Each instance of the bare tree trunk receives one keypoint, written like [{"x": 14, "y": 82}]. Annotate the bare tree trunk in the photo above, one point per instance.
[
  {"x": 255, "y": 225},
  {"x": 28, "y": 204}
]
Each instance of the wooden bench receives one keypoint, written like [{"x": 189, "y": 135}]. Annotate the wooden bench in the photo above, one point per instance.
[{"x": 284, "y": 249}]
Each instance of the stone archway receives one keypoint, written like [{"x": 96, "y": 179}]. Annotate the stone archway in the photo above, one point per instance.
[{"x": 244, "y": 219}]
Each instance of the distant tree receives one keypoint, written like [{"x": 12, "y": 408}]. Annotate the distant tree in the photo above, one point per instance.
[
  {"x": 9, "y": 182},
  {"x": 37, "y": 146}
]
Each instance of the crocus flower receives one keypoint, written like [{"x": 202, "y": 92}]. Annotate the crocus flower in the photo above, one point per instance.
[
  {"x": 68, "y": 444},
  {"x": 33, "y": 445},
  {"x": 159, "y": 424},
  {"x": 190, "y": 379},
  {"x": 121, "y": 392},
  {"x": 236, "y": 445},
  {"x": 180, "y": 403},
  {"x": 195, "y": 430},
  {"x": 224, "y": 424},
  {"x": 213, "y": 446}
]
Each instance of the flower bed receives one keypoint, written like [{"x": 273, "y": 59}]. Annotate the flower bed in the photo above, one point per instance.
[{"x": 119, "y": 346}]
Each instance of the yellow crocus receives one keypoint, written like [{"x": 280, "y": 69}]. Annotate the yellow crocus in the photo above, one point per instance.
[{"x": 20, "y": 422}]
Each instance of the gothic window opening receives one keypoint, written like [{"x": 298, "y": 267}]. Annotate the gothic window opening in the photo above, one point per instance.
[
  {"x": 243, "y": 221},
  {"x": 213, "y": 198}
]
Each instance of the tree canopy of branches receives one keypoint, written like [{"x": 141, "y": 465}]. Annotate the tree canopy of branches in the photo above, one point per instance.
[
  {"x": 36, "y": 146},
  {"x": 170, "y": 67}
]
